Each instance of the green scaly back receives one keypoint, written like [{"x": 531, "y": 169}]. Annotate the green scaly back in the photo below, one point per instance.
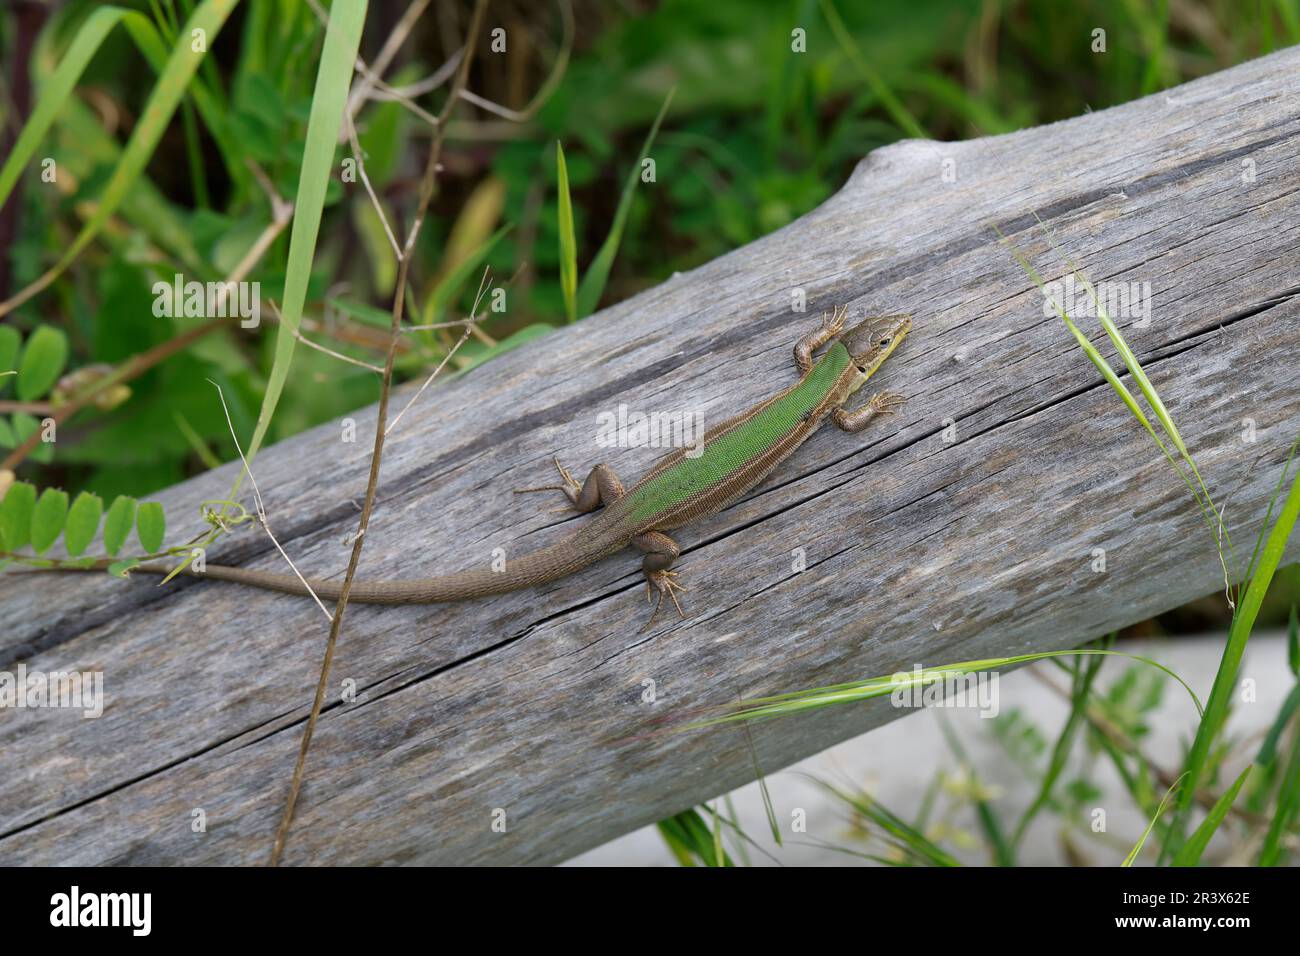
[{"x": 727, "y": 453}]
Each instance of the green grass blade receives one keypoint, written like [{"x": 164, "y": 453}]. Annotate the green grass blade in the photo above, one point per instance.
[
  {"x": 738, "y": 836},
  {"x": 1272, "y": 503},
  {"x": 1268, "y": 749},
  {"x": 911, "y": 840},
  {"x": 676, "y": 838},
  {"x": 56, "y": 91},
  {"x": 1122, "y": 347},
  {"x": 84, "y": 144},
  {"x": 1004, "y": 853},
  {"x": 1288, "y": 803},
  {"x": 1200, "y": 494},
  {"x": 1152, "y": 396},
  {"x": 717, "y": 834},
  {"x": 154, "y": 48},
  {"x": 1137, "y": 847},
  {"x": 1088, "y": 348},
  {"x": 1082, "y": 681},
  {"x": 1216, "y": 710},
  {"x": 333, "y": 79},
  {"x": 1191, "y": 851},
  {"x": 568, "y": 241},
  {"x": 167, "y": 93},
  {"x": 450, "y": 285},
  {"x": 780, "y": 705},
  {"x": 906, "y": 122},
  {"x": 597, "y": 275},
  {"x": 690, "y": 839}
]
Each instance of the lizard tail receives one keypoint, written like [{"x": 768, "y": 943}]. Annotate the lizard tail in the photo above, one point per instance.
[{"x": 537, "y": 567}]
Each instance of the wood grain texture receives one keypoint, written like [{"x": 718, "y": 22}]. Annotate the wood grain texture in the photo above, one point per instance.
[{"x": 920, "y": 549}]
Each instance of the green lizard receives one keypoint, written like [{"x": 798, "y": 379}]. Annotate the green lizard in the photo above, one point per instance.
[{"x": 737, "y": 454}]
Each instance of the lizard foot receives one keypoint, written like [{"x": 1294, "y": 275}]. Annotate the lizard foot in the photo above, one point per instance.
[
  {"x": 662, "y": 581},
  {"x": 834, "y": 323},
  {"x": 570, "y": 487},
  {"x": 886, "y": 403}
]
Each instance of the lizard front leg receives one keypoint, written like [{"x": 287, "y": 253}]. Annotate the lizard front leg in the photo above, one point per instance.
[
  {"x": 831, "y": 326},
  {"x": 882, "y": 403},
  {"x": 660, "y": 553},
  {"x": 602, "y": 488}
]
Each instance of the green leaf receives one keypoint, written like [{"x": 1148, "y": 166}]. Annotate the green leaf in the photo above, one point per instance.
[
  {"x": 121, "y": 516},
  {"x": 119, "y": 568},
  {"x": 150, "y": 526},
  {"x": 43, "y": 359},
  {"x": 10, "y": 341},
  {"x": 48, "y": 518},
  {"x": 7, "y": 437},
  {"x": 1191, "y": 851},
  {"x": 593, "y": 283},
  {"x": 568, "y": 242},
  {"x": 83, "y": 522},
  {"x": 16, "y": 515}
]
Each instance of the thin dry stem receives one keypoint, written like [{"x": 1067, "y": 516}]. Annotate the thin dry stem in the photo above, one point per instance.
[
  {"x": 428, "y": 186},
  {"x": 321, "y": 348},
  {"x": 370, "y": 191},
  {"x": 261, "y": 508},
  {"x": 469, "y": 325}
]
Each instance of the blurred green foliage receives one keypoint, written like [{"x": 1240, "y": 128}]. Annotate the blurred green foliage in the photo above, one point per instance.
[{"x": 757, "y": 135}]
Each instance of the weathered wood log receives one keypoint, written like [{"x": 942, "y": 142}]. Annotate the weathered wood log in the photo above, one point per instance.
[{"x": 963, "y": 528}]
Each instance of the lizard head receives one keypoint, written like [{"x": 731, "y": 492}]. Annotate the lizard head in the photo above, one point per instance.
[{"x": 869, "y": 343}]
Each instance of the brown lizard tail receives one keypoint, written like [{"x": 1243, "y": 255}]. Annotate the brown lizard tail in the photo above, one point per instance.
[{"x": 537, "y": 567}]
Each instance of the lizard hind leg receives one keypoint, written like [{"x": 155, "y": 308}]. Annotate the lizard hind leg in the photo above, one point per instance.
[
  {"x": 660, "y": 553},
  {"x": 601, "y": 488}
]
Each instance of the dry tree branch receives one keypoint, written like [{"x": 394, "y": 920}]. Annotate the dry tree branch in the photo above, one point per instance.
[{"x": 428, "y": 186}]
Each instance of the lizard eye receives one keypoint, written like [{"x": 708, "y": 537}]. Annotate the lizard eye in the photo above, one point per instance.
[{"x": 884, "y": 341}]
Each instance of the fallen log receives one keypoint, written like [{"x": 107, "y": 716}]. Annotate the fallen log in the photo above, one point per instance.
[{"x": 965, "y": 527}]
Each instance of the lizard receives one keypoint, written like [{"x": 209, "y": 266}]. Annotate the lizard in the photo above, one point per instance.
[{"x": 737, "y": 454}]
